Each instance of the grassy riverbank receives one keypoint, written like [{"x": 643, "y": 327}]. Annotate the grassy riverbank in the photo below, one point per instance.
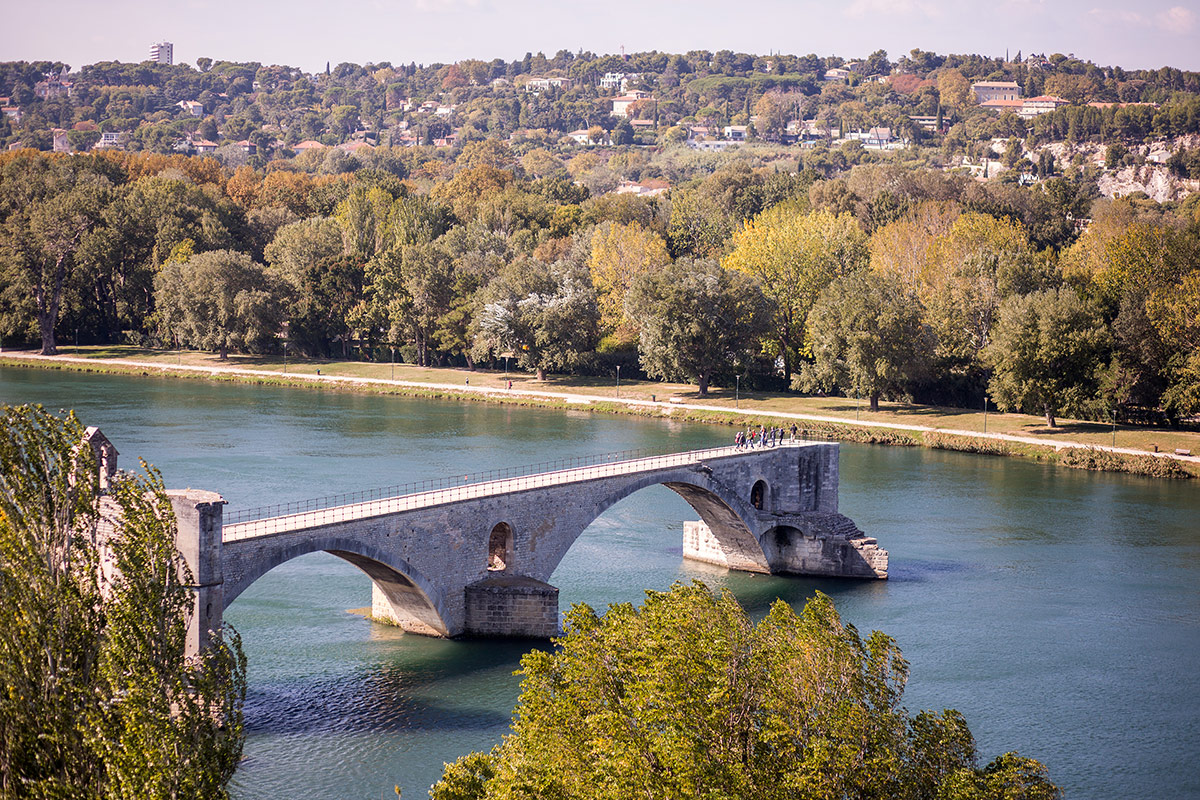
[{"x": 1072, "y": 443}]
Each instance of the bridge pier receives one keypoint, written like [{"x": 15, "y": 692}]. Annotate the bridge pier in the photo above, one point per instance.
[{"x": 198, "y": 538}]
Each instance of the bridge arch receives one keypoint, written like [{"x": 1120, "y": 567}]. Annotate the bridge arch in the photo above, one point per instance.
[
  {"x": 414, "y": 602},
  {"x": 723, "y": 511}
]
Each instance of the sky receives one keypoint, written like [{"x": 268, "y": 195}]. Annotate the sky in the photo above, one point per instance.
[{"x": 306, "y": 33}]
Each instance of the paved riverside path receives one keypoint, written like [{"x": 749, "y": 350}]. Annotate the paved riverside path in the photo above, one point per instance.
[
  {"x": 349, "y": 512},
  {"x": 583, "y": 399}
]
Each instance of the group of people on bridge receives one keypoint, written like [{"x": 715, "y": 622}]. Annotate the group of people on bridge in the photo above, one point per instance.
[{"x": 762, "y": 437}]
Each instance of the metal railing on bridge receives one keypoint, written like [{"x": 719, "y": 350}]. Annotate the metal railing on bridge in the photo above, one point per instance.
[{"x": 279, "y": 518}]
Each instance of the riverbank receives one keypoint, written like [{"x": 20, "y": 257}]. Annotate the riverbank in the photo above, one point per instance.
[{"x": 1076, "y": 444}]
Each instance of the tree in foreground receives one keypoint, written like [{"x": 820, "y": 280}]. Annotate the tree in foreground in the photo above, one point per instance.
[
  {"x": 695, "y": 319},
  {"x": 866, "y": 338},
  {"x": 1045, "y": 351},
  {"x": 97, "y": 699},
  {"x": 686, "y": 698}
]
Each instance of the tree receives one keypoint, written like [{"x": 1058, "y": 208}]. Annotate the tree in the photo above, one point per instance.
[
  {"x": 867, "y": 337},
  {"x": 1174, "y": 310},
  {"x": 954, "y": 90},
  {"x": 618, "y": 255},
  {"x": 794, "y": 257},
  {"x": 412, "y": 286},
  {"x": 546, "y": 315},
  {"x": 698, "y": 226},
  {"x": 51, "y": 206},
  {"x": 218, "y": 301},
  {"x": 1045, "y": 352},
  {"x": 695, "y": 320},
  {"x": 686, "y": 697},
  {"x": 97, "y": 699}
]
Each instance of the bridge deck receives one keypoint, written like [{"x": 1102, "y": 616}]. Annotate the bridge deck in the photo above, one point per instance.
[{"x": 390, "y": 505}]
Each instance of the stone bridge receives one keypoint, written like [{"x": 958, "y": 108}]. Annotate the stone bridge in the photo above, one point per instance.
[{"x": 476, "y": 558}]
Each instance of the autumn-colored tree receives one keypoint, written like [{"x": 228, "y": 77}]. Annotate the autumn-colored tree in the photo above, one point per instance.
[
  {"x": 903, "y": 248},
  {"x": 470, "y": 187},
  {"x": 288, "y": 189},
  {"x": 619, "y": 253},
  {"x": 541, "y": 163},
  {"x": 454, "y": 78},
  {"x": 486, "y": 152},
  {"x": 794, "y": 257},
  {"x": 244, "y": 186},
  {"x": 954, "y": 90}
]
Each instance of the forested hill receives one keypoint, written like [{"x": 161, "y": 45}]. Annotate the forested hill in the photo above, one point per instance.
[
  {"x": 866, "y": 228},
  {"x": 923, "y": 99}
]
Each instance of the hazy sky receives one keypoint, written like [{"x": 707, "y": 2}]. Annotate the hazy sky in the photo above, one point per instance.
[{"x": 305, "y": 33}]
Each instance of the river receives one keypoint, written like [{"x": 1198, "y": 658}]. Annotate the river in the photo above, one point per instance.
[{"x": 1058, "y": 610}]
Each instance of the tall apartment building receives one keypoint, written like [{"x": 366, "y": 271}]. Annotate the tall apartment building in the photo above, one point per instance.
[{"x": 162, "y": 53}]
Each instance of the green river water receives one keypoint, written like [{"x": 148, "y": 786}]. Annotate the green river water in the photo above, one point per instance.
[{"x": 1058, "y": 610}]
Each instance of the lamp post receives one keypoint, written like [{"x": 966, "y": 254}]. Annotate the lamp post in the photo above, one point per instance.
[
  {"x": 737, "y": 391},
  {"x": 1113, "y": 413},
  {"x": 985, "y": 399},
  {"x": 392, "y": 348},
  {"x": 285, "y": 356},
  {"x": 618, "y": 381}
]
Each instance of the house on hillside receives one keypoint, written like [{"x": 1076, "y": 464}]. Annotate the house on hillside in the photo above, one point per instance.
[
  {"x": 1002, "y": 105},
  {"x": 618, "y": 81},
  {"x": 736, "y": 133},
  {"x": 986, "y": 91},
  {"x": 650, "y": 187},
  {"x": 109, "y": 140},
  {"x": 539, "y": 85},
  {"x": 837, "y": 74},
  {"x": 1042, "y": 104},
  {"x": 926, "y": 123},
  {"x": 306, "y": 145},
  {"x": 878, "y": 138},
  {"x": 54, "y": 85},
  {"x": 620, "y": 105},
  {"x": 204, "y": 147},
  {"x": 192, "y": 107}
]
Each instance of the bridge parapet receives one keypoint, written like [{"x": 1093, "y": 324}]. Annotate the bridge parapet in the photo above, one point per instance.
[{"x": 270, "y": 520}]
